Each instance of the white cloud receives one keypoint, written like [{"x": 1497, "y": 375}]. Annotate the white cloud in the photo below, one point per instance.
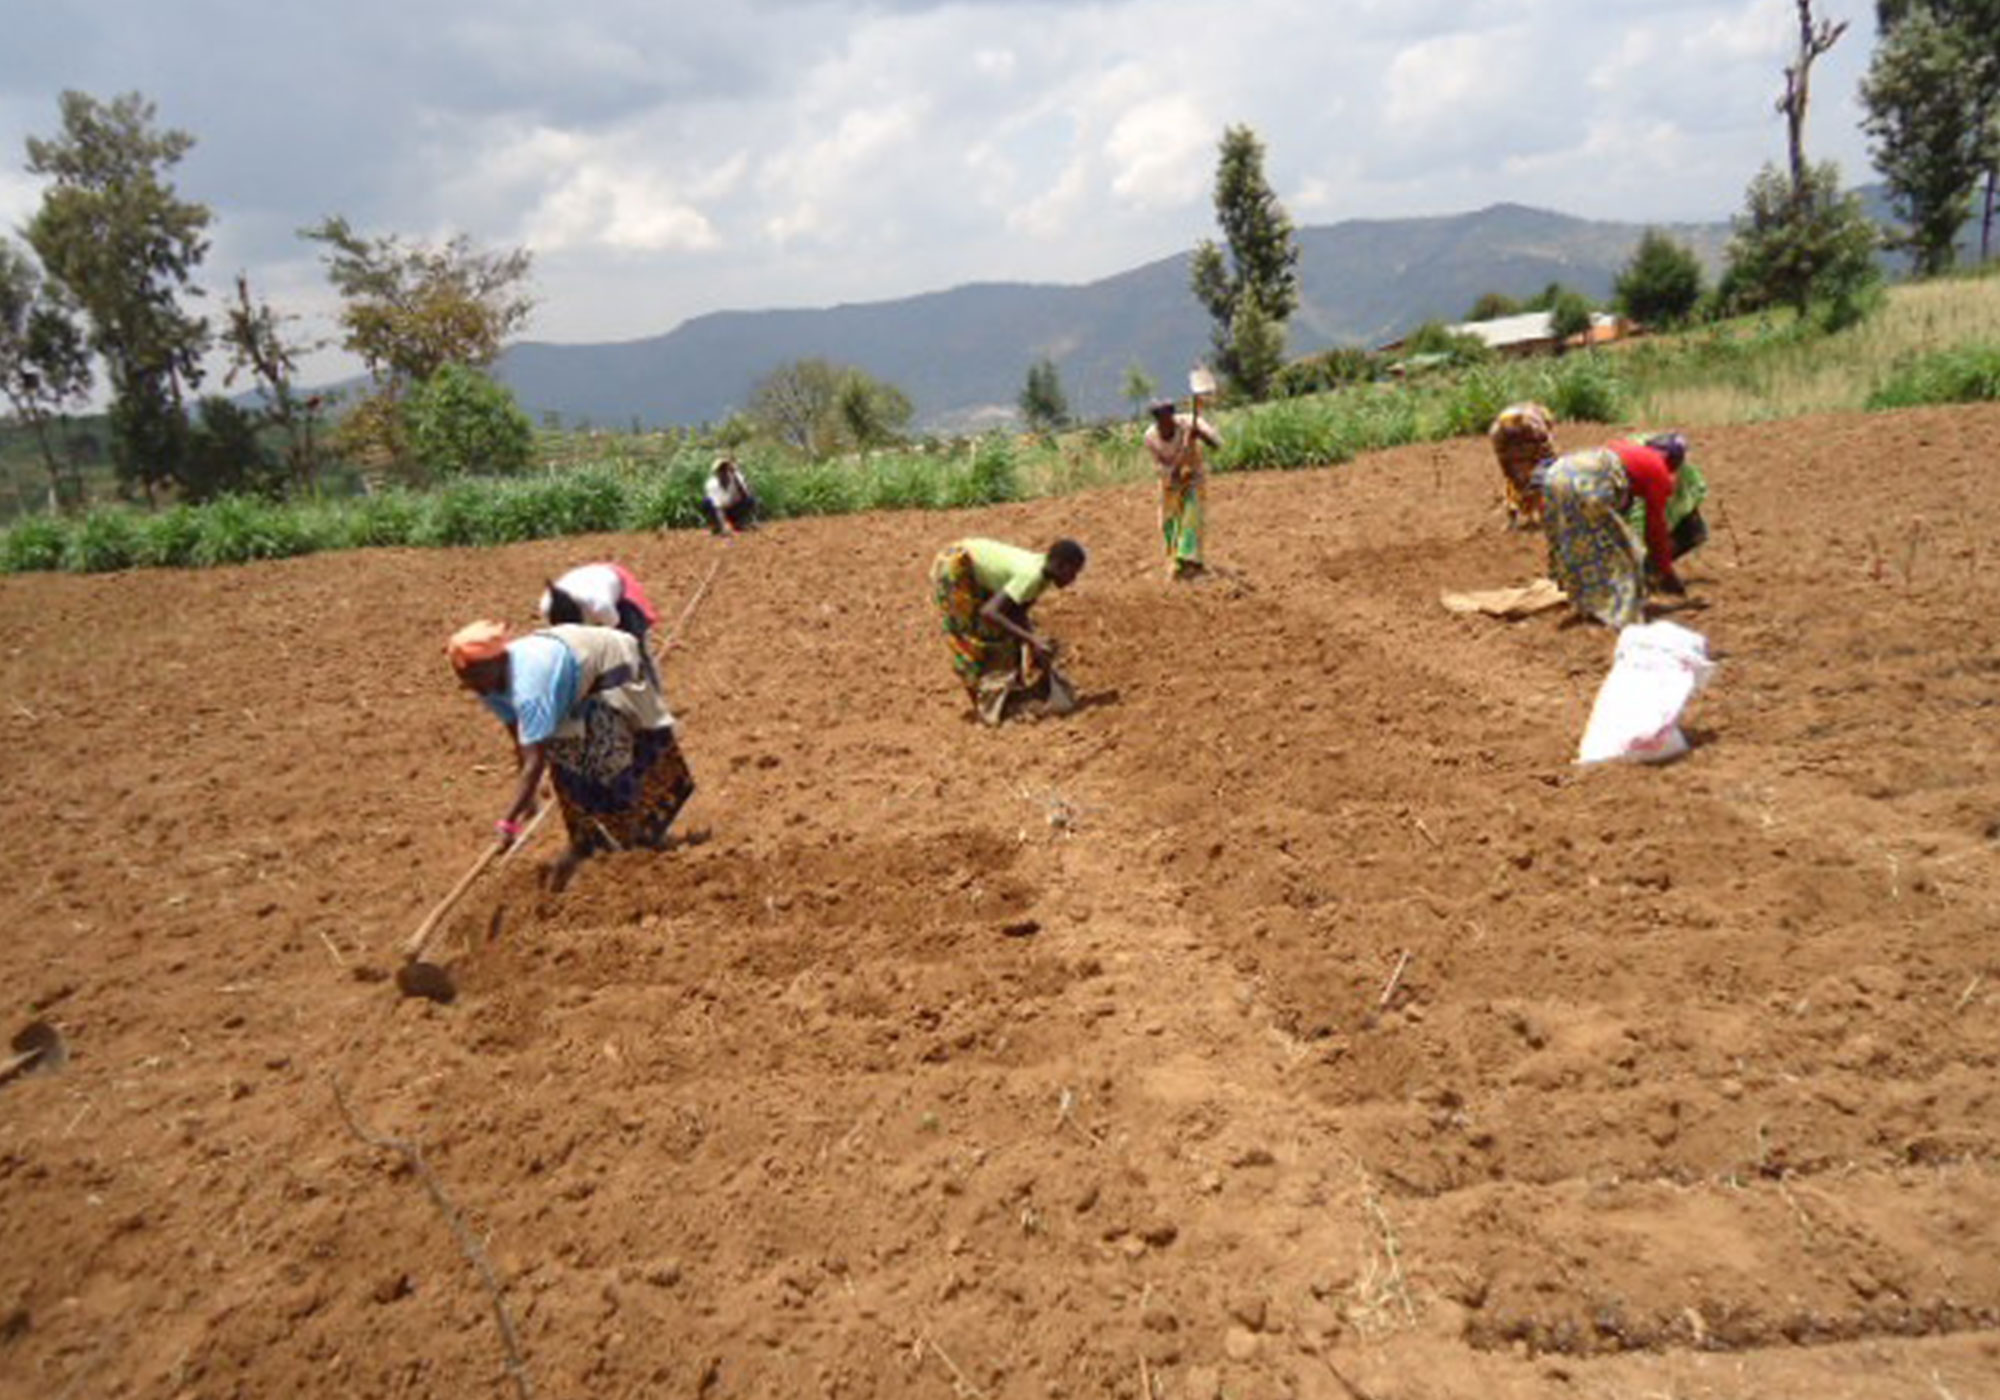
[
  {"x": 665, "y": 161},
  {"x": 1162, "y": 152}
]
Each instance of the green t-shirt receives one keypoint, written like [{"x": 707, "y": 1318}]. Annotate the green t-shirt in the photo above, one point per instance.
[{"x": 1009, "y": 569}]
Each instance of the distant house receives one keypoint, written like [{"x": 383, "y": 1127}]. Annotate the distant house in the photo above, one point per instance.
[{"x": 1530, "y": 333}]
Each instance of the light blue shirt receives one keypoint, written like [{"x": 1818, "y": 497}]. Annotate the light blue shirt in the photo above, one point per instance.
[{"x": 542, "y": 680}]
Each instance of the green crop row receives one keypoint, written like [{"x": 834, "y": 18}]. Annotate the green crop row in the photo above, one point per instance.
[{"x": 490, "y": 511}]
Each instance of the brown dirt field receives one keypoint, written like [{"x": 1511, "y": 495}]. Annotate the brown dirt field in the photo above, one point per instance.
[{"x": 1687, "y": 1089}]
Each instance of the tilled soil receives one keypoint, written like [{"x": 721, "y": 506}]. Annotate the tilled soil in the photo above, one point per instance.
[{"x": 1292, "y": 1020}]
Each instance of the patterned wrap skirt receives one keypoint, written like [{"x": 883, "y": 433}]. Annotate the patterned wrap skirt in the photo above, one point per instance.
[
  {"x": 1523, "y": 437},
  {"x": 620, "y": 787},
  {"x": 1180, "y": 519},
  {"x": 1593, "y": 553},
  {"x": 977, "y": 647}
]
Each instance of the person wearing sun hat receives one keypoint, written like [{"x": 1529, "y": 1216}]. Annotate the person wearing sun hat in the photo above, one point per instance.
[{"x": 580, "y": 704}]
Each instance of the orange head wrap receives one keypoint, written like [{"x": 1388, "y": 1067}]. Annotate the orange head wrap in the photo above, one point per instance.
[{"x": 476, "y": 642}]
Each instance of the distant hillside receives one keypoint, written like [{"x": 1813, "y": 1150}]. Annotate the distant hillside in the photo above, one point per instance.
[{"x": 962, "y": 354}]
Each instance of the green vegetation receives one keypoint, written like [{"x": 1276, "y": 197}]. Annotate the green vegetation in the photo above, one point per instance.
[
  {"x": 1970, "y": 374},
  {"x": 1661, "y": 285},
  {"x": 1252, "y": 291},
  {"x": 1932, "y": 92},
  {"x": 1932, "y": 342}
]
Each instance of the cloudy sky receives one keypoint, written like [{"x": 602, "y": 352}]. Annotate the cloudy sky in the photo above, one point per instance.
[{"x": 663, "y": 159}]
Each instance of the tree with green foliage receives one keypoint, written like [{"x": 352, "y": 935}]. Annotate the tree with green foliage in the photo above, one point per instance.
[
  {"x": 1138, "y": 387},
  {"x": 1547, "y": 297},
  {"x": 1491, "y": 306},
  {"x": 1976, "y": 25},
  {"x": 44, "y": 362},
  {"x": 1569, "y": 317},
  {"x": 1661, "y": 285},
  {"x": 1044, "y": 406},
  {"x": 1436, "y": 338},
  {"x": 461, "y": 423},
  {"x": 821, "y": 408},
  {"x": 124, "y": 246},
  {"x": 227, "y": 456},
  {"x": 410, "y": 309},
  {"x": 258, "y": 346},
  {"x": 872, "y": 413},
  {"x": 1256, "y": 348},
  {"x": 1261, "y": 264},
  {"x": 1930, "y": 102},
  {"x": 1788, "y": 251}
]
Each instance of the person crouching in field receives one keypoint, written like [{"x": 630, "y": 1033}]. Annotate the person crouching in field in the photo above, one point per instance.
[
  {"x": 603, "y": 595},
  {"x": 727, "y": 502},
  {"x": 1523, "y": 437},
  {"x": 984, "y": 589},
  {"x": 1595, "y": 554},
  {"x": 579, "y": 704},
  {"x": 1175, "y": 441}
]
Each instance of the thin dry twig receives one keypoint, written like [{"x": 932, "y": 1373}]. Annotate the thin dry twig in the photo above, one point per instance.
[
  {"x": 1425, "y": 832},
  {"x": 1066, "y": 1118},
  {"x": 1966, "y": 995},
  {"x": 1395, "y": 979},
  {"x": 333, "y": 948},
  {"x": 1353, "y": 1390},
  {"x": 1145, "y": 1380},
  {"x": 468, "y": 1243},
  {"x": 1392, "y": 1250},
  {"x": 961, "y": 1384}
]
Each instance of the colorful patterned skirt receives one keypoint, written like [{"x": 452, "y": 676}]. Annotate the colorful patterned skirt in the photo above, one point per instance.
[
  {"x": 620, "y": 787},
  {"x": 1523, "y": 437},
  {"x": 1180, "y": 520},
  {"x": 977, "y": 647},
  {"x": 1593, "y": 553}
]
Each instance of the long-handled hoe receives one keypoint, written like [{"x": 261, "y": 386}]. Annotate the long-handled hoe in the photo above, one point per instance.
[{"x": 419, "y": 977}]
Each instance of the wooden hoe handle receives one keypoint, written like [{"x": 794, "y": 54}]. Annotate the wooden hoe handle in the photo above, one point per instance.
[{"x": 414, "y": 949}]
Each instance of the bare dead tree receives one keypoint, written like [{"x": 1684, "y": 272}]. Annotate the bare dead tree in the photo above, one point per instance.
[{"x": 1815, "y": 38}]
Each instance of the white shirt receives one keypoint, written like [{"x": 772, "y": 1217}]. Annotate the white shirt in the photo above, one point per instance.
[
  {"x": 724, "y": 494},
  {"x": 597, "y": 589}
]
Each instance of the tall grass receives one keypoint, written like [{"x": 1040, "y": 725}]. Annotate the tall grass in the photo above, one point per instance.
[
  {"x": 601, "y": 497},
  {"x": 1969, "y": 374},
  {"x": 1760, "y": 369}
]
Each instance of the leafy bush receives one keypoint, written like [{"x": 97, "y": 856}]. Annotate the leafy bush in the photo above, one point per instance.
[
  {"x": 995, "y": 473},
  {"x": 460, "y": 514},
  {"x": 389, "y": 518},
  {"x": 35, "y": 544},
  {"x": 668, "y": 499},
  {"x": 1285, "y": 433},
  {"x": 238, "y": 529},
  {"x": 1583, "y": 388},
  {"x": 169, "y": 539},
  {"x": 1969, "y": 374},
  {"x": 106, "y": 540},
  {"x": 905, "y": 481},
  {"x": 459, "y": 422}
]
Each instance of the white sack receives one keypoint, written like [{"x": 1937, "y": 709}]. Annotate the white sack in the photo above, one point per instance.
[{"x": 1656, "y": 670}]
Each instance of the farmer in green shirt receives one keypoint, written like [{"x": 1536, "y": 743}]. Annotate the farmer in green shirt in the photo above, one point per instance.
[{"x": 984, "y": 590}]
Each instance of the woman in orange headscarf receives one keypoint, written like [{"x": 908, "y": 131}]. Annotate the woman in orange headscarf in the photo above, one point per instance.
[{"x": 580, "y": 704}]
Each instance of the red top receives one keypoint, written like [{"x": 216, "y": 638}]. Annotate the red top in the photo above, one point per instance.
[
  {"x": 1652, "y": 481},
  {"x": 635, "y": 594}
]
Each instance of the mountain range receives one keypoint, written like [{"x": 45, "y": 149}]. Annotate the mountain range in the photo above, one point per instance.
[{"x": 962, "y": 355}]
